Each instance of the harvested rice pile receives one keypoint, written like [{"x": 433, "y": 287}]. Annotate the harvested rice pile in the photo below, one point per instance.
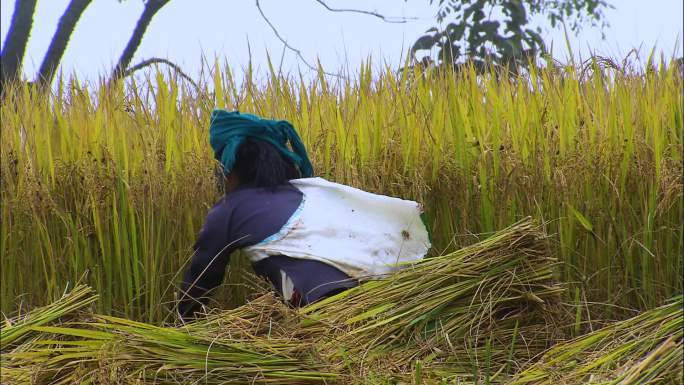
[
  {"x": 473, "y": 315},
  {"x": 646, "y": 349},
  {"x": 96, "y": 349}
]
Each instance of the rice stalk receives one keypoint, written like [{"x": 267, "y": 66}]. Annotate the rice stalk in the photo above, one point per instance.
[
  {"x": 645, "y": 349},
  {"x": 19, "y": 336},
  {"x": 115, "y": 181},
  {"x": 494, "y": 302},
  {"x": 467, "y": 316},
  {"x": 120, "y": 351},
  {"x": 14, "y": 330}
]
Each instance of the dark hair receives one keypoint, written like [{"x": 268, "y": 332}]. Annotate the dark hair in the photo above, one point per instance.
[{"x": 259, "y": 163}]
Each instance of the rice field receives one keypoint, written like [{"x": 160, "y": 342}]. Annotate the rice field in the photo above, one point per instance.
[{"x": 107, "y": 185}]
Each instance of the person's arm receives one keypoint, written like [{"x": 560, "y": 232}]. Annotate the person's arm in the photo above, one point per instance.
[{"x": 208, "y": 265}]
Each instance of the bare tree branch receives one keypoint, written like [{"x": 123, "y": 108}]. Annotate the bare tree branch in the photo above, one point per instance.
[
  {"x": 156, "y": 60},
  {"x": 16, "y": 40},
  {"x": 384, "y": 18},
  {"x": 65, "y": 27},
  {"x": 291, "y": 48},
  {"x": 151, "y": 8}
]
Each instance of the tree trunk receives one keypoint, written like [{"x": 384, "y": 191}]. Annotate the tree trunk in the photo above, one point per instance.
[
  {"x": 15, "y": 43},
  {"x": 66, "y": 26},
  {"x": 151, "y": 7}
]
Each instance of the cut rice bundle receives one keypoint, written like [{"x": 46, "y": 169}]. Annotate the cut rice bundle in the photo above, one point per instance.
[
  {"x": 471, "y": 315},
  {"x": 231, "y": 347},
  {"x": 22, "y": 355},
  {"x": 477, "y": 311},
  {"x": 646, "y": 349},
  {"x": 13, "y": 330}
]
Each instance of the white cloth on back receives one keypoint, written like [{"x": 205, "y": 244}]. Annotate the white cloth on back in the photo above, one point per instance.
[{"x": 360, "y": 233}]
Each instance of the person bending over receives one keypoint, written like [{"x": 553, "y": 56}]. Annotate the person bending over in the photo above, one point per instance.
[{"x": 309, "y": 237}]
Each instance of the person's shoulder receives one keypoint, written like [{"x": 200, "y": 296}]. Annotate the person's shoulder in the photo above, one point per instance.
[
  {"x": 252, "y": 192},
  {"x": 220, "y": 211},
  {"x": 288, "y": 186}
]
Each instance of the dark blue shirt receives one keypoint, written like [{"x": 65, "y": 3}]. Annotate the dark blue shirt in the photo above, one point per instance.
[{"x": 243, "y": 218}]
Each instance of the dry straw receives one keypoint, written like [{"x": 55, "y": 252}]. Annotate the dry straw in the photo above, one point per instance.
[
  {"x": 477, "y": 312},
  {"x": 96, "y": 349},
  {"x": 646, "y": 349},
  {"x": 471, "y": 315},
  {"x": 478, "y": 315}
]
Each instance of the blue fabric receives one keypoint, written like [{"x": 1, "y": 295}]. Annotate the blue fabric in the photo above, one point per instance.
[
  {"x": 228, "y": 131},
  {"x": 244, "y": 218}
]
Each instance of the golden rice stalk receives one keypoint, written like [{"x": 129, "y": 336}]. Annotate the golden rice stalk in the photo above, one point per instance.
[
  {"x": 13, "y": 330},
  {"x": 233, "y": 348},
  {"x": 469, "y": 315},
  {"x": 646, "y": 349},
  {"x": 475, "y": 312},
  {"x": 18, "y": 335}
]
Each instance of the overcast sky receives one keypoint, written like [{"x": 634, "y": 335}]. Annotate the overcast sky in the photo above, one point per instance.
[{"x": 185, "y": 29}]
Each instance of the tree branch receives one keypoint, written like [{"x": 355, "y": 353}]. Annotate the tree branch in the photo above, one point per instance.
[
  {"x": 288, "y": 46},
  {"x": 386, "y": 19},
  {"x": 151, "y": 8},
  {"x": 156, "y": 60},
  {"x": 17, "y": 38},
  {"x": 65, "y": 27}
]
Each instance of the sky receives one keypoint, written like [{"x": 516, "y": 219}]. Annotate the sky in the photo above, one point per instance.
[{"x": 186, "y": 30}]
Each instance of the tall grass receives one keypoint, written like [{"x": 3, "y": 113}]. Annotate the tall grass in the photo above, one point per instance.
[{"x": 110, "y": 184}]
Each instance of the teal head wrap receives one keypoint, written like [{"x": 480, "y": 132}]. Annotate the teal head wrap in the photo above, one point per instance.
[{"x": 228, "y": 131}]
